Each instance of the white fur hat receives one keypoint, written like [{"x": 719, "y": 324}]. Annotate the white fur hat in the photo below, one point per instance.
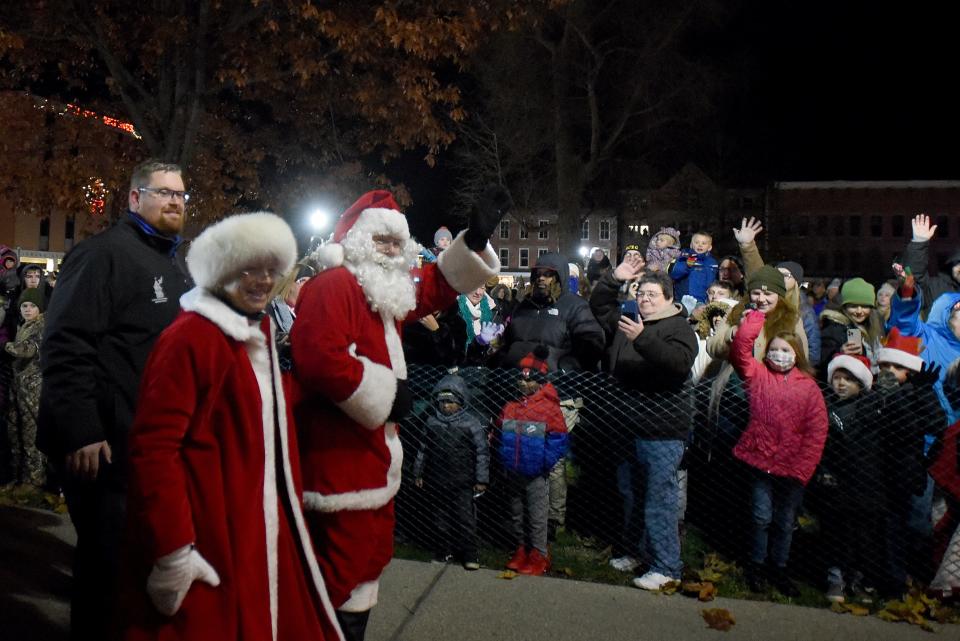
[
  {"x": 856, "y": 365},
  {"x": 226, "y": 247}
]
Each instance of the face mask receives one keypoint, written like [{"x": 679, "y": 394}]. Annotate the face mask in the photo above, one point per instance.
[
  {"x": 887, "y": 380},
  {"x": 780, "y": 361}
]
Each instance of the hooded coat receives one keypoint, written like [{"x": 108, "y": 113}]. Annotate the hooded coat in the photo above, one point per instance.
[
  {"x": 917, "y": 257},
  {"x": 455, "y": 451},
  {"x": 658, "y": 362},
  {"x": 565, "y": 326},
  {"x": 658, "y": 260},
  {"x": 940, "y": 346}
]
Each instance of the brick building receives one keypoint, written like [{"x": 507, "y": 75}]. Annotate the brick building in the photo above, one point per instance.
[
  {"x": 689, "y": 201},
  {"x": 521, "y": 239},
  {"x": 842, "y": 228}
]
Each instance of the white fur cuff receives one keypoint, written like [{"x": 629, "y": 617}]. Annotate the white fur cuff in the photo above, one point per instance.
[
  {"x": 465, "y": 269},
  {"x": 363, "y": 597},
  {"x": 371, "y": 402}
]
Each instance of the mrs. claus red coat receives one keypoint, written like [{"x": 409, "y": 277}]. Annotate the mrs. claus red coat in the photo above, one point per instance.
[{"x": 211, "y": 466}]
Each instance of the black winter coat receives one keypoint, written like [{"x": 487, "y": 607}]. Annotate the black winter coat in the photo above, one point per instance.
[
  {"x": 657, "y": 364},
  {"x": 455, "y": 451},
  {"x": 116, "y": 292}
]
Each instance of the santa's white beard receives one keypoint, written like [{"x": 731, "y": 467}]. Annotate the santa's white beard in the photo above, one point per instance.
[{"x": 385, "y": 280}]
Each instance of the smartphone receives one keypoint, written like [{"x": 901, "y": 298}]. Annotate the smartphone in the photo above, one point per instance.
[
  {"x": 628, "y": 308},
  {"x": 854, "y": 335}
]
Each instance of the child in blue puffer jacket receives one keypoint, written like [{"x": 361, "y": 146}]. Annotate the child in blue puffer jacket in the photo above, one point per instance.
[{"x": 533, "y": 437}]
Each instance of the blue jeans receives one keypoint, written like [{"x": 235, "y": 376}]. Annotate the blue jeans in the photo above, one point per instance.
[
  {"x": 776, "y": 500},
  {"x": 657, "y": 463}
]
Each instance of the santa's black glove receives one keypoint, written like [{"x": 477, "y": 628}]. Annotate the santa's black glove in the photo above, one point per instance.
[
  {"x": 492, "y": 205},
  {"x": 402, "y": 402}
]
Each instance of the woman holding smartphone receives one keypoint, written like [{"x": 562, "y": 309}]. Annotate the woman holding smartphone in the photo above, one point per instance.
[{"x": 856, "y": 329}]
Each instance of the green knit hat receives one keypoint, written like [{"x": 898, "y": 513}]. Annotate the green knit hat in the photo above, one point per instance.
[
  {"x": 857, "y": 291},
  {"x": 767, "y": 278},
  {"x": 32, "y": 295}
]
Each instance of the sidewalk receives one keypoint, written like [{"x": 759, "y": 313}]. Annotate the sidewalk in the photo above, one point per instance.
[{"x": 436, "y": 602}]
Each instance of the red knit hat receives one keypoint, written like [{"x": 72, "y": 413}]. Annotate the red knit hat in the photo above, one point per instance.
[
  {"x": 373, "y": 203},
  {"x": 901, "y": 350},
  {"x": 857, "y": 365},
  {"x": 534, "y": 365}
]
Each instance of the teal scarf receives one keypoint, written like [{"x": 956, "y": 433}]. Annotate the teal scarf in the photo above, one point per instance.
[{"x": 485, "y": 315}]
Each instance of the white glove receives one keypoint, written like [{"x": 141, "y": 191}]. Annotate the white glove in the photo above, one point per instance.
[
  {"x": 172, "y": 576},
  {"x": 689, "y": 302}
]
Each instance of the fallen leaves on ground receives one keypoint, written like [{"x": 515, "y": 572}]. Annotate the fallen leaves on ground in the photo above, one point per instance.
[
  {"x": 670, "y": 587},
  {"x": 705, "y": 590},
  {"x": 913, "y": 609},
  {"x": 850, "y": 608},
  {"x": 718, "y": 618},
  {"x": 507, "y": 575}
]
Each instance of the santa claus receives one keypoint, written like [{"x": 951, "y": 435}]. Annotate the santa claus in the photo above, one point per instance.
[{"x": 350, "y": 367}]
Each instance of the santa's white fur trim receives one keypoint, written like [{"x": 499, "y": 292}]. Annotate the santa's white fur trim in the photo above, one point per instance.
[
  {"x": 465, "y": 269},
  {"x": 398, "y": 362},
  {"x": 853, "y": 365},
  {"x": 328, "y": 256},
  {"x": 369, "y": 499},
  {"x": 223, "y": 249},
  {"x": 363, "y": 597},
  {"x": 298, "y": 520},
  {"x": 371, "y": 402},
  {"x": 388, "y": 222},
  {"x": 899, "y": 357},
  {"x": 232, "y": 324},
  {"x": 260, "y": 361}
]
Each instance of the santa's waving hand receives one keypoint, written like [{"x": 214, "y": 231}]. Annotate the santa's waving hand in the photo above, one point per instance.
[{"x": 352, "y": 375}]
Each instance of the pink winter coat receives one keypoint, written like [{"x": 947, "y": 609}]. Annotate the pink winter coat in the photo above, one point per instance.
[{"x": 788, "y": 417}]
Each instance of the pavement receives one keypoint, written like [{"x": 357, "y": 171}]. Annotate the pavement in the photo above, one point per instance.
[{"x": 435, "y": 602}]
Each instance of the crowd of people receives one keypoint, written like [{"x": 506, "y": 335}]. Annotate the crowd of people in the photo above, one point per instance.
[
  {"x": 223, "y": 420},
  {"x": 849, "y": 391}
]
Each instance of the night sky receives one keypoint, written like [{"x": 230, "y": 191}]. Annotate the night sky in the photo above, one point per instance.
[{"x": 813, "y": 90}]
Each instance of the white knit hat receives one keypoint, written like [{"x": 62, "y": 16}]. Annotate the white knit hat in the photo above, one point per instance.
[
  {"x": 856, "y": 365},
  {"x": 225, "y": 248}
]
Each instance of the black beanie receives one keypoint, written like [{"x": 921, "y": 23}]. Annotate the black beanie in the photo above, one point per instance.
[{"x": 31, "y": 295}]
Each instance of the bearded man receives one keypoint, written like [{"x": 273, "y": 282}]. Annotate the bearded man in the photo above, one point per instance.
[{"x": 352, "y": 375}]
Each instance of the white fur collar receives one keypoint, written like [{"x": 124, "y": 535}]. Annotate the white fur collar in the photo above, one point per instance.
[{"x": 234, "y": 325}]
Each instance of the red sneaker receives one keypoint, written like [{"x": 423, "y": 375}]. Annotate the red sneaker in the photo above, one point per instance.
[
  {"x": 536, "y": 564},
  {"x": 518, "y": 560}
]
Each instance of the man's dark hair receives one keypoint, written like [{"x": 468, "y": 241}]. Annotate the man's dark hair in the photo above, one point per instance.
[
  {"x": 140, "y": 177},
  {"x": 658, "y": 278}
]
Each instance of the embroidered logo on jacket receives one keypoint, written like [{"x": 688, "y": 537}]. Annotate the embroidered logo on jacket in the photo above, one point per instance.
[{"x": 158, "y": 295}]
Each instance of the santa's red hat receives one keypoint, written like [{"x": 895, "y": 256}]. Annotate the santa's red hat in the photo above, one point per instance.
[
  {"x": 857, "y": 365},
  {"x": 378, "y": 210},
  {"x": 901, "y": 350}
]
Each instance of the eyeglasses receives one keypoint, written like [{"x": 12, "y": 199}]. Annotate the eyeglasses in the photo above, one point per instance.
[
  {"x": 261, "y": 273},
  {"x": 166, "y": 194},
  {"x": 648, "y": 295}
]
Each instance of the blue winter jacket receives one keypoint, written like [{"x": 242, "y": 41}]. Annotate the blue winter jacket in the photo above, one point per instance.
[
  {"x": 533, "y": 434},
  {"x": 693, "y": 279},
  {"x": 940, "y": 346}
]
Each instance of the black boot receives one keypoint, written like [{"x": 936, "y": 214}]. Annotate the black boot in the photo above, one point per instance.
[
  {"x": 756, "y": 576},
  {"x": 353, "y": 624},
  {"x": 783, "y": 584}
]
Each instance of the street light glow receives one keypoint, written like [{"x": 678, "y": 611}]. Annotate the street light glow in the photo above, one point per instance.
[
  {"x": 583, "y": 252},
  {"x": 319, "y": 219}
]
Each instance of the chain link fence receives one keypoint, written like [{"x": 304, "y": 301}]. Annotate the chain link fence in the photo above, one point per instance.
[{"x": 864, "y": 530}]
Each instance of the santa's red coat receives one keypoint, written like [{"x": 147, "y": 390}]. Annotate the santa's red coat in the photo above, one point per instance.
[
  {"x": 203, "y": 456},
  {"x": 347, "y": 361}
]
